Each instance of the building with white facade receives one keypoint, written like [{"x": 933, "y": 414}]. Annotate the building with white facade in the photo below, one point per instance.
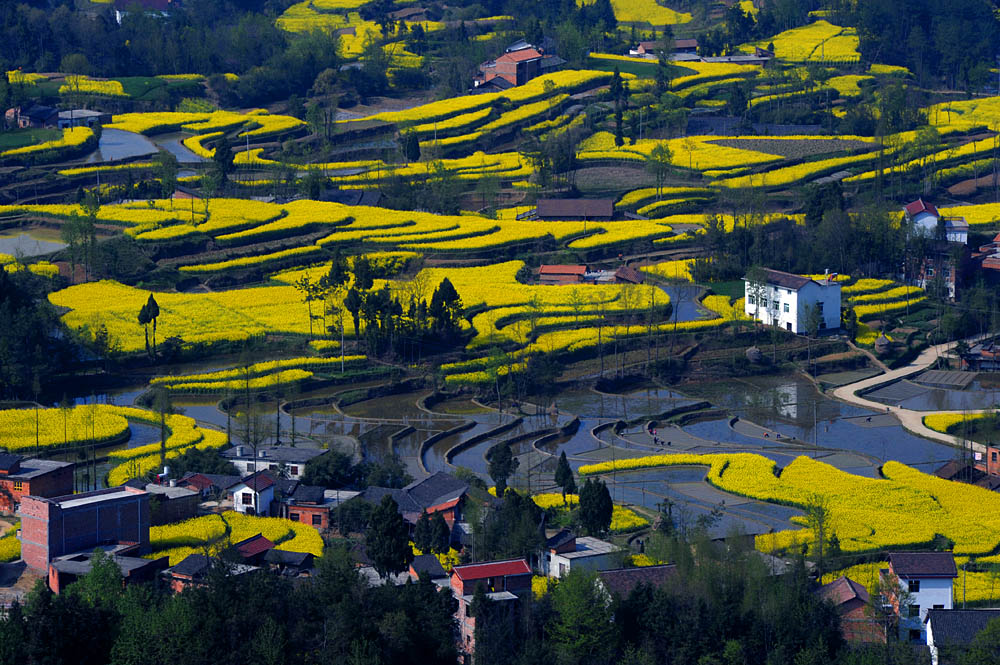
[
  {"x": 565, "y": 552},
  {"x": 272, "y": 458},
  {"x": 948, "y": 253},
  {"x": 927, "y": 577},
  {"x": 783, "y": 299}
]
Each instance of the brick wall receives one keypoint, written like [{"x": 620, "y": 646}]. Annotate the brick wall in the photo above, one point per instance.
[
  {"x": 49, "y": 530},
  {"x": 58, "y": 482}
]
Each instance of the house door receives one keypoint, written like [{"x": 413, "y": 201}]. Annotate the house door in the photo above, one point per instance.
[{"x": 788, "y": 325}]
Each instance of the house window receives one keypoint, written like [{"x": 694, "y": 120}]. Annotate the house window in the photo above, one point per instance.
[
  {"x": 993, "y": 457},
  {"x": 294, "y": 517},
  {"x": 786, "y": 308},
  {"x": 17, "y": 485},
  {"x": 763, "y": 303},
  {"x": 294, "y": 470},
  {"x": 914, "y": 611},
  {"x": 819, "y": 306},
  {"x": 247, "y": 498},
  {"x": 752, "y": 300},
  {"x": 914, "y": 635},
  {"x": 272, "y": 467},
  {"x": 914, "y": 586},
  {"x": 317, "y": 520},
  {"x": 930, "y": 272},
  {"x": 939, "y": 607},
  {"x": 822, "y": 324}
]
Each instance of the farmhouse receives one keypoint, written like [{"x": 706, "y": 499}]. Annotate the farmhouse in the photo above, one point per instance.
[
  {"x": 254, "y": 494},
  {"x": 621, "y": 581},
  {"x": 927, "y": 577},
  {"x": 83, "y": 118},
  {"x": 32, "y": 116},
  {"x": 21, "y": 477},
  {"x": 850, "y": 599},
  {"x": 947, "y": 255},
  {"x": 782, "y": 299},
  {"x": 954, "y": 629},
  {"x": 439, "y": 493},
  {"x": 152, "y": 8},
  {"x": 561, "y": 274},
  {"x": 193, "y": 570},
  {"x": 565, "y": 552},
  {"x": 273, "y": 458}
]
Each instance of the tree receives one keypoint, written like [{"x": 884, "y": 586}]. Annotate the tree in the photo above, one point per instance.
[
  {"x": 596, "y": 507},
  {"x": 422, "y": 533},
  {"x": 144, "y": 321},
  {"x": 333, "y": 470},
  {"x": 440, "y": 535},
  {"x": 658, "y": 163},
  {"x": 502, "y": 465},
  {"x": 813, "y": 319},
  {"x": 564, "y": 476},
  {"x": 411, "y": 146},
  {"x": 387, "y": 539},
  {"x": 583, "y": 631},
  {"x": 446, "y": 308},
  {"x": 222, "y": 159},
  {"x": 153, "y": 313},
  {"x": 166, "y": 167}
]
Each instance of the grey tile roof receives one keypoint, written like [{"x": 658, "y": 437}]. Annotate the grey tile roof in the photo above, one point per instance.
[
  {"x": 958, "y": 626},
  {"x": 436, "y": 489},
  {"x": 193, "y": 565},
  {"x": 285, "y": 454},
  {"x": 785, "y": 280},
  {"x": 428, "y": 563},
  {"x": 308, "y": 494},
  {"x": 7, "y": 460},
  {"x": 923, "y": 564},
  {"x": 621, "y": 581},
  {"x": 32, "y": 468},
  {"x": 286, "y": 558}
]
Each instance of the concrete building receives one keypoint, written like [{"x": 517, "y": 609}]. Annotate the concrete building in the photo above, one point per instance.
[
  {"x": 67, "y": 569},
  {"x": 20, "y": 477},
  {"x": 83, "y": 118},
  {"x": 784, "y": 300},
  {"x": 171, "y": 503},
  {"x": 565, "y": 552},
  {"x": 272, "y": 458},
  {"x": 53, "y": 527},
  {"x": 927, "y": 577}
]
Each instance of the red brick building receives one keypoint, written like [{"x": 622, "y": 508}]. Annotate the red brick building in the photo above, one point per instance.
[
  {"x": 53, "y": 527},
  {"x": 850, "y": 600},
  {"x": 503, "y": 581},
  {"x": 20, "y": 477}
]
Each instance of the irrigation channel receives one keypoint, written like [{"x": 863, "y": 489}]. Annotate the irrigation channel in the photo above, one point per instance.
[{"x": 777, "y": 416}]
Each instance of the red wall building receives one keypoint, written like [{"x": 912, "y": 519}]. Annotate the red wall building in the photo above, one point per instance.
[
  {"x": 20, "y": 477},
  {"x": 52, "y": 527}
]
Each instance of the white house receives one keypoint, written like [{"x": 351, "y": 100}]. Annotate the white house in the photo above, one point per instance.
[
  {"x": 783, "y": 299},
  {"x": 940, "y": 260},
  {"x": 927, "y": 576},
  {"x": 272, "y": 458},
  {"x": 564, "y": 552},
  {"x": 954, "y": 629},
  {"x": 926, "y": 216},
  {"x": 253, "y": 495}
]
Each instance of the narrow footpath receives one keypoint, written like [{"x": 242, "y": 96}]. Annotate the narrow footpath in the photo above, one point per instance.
[{"x": 911, "y": 420}]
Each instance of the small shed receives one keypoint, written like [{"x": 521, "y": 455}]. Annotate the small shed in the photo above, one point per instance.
[
  {"x": 575, "y": 209},
  {"x": 561, "y": 274}
]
